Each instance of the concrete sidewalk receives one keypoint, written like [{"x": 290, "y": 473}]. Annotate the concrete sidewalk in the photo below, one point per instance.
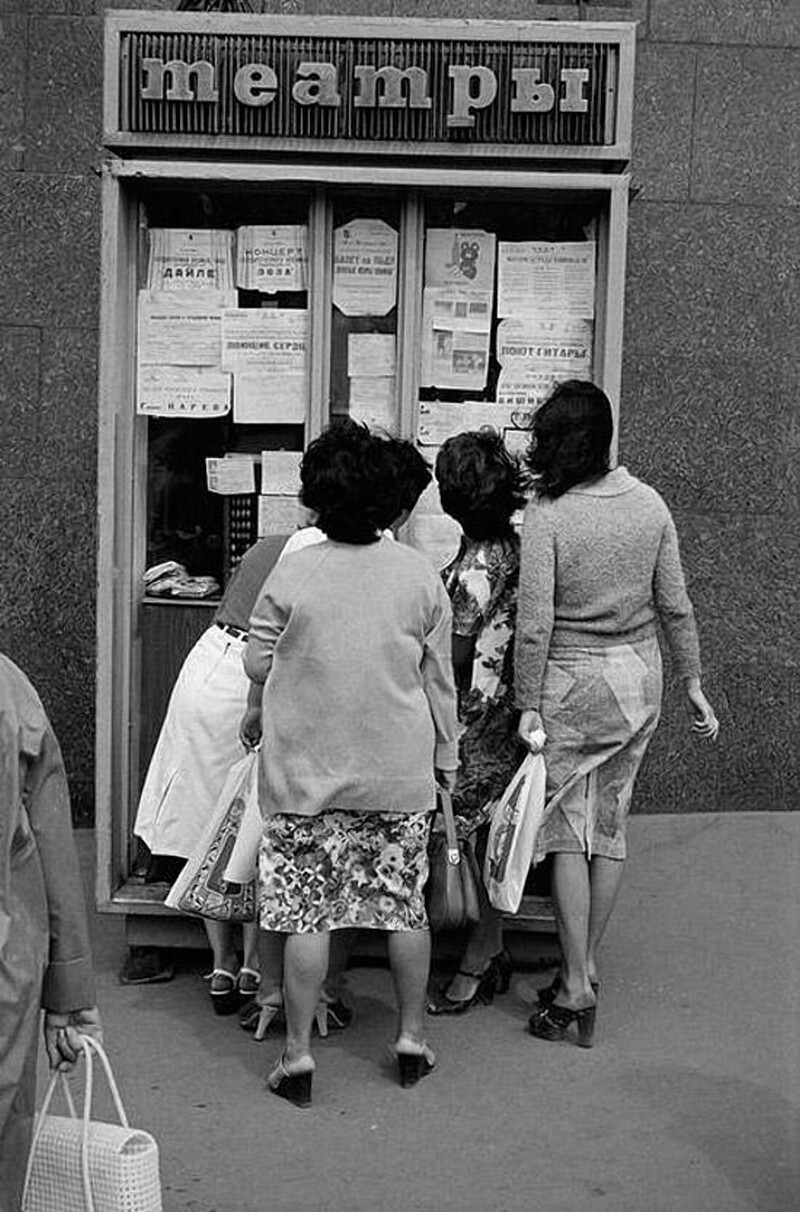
[{"x": 690, "y": 1099}]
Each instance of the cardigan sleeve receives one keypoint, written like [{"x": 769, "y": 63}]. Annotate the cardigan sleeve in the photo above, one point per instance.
[
  {"x": 268, "y": 620},
  {"x": 437, "y": 681},
  {"x": 673, "y": 605},
  {"x": 535, "y": 605}
]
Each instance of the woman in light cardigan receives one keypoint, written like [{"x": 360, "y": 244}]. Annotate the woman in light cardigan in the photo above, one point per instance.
[
  {"x": 352, "y": 689},
  {"x": 600, "y": 568}
]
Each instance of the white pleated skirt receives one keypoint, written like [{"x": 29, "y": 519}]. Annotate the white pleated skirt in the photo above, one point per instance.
[{"x": 198, "y": 744}]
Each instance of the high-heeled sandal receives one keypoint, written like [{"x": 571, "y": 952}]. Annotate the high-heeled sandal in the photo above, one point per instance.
[
  {"x": 495, "y": 979},
  {"x": 413, "y": 1064},
  {"x": 552, "y": 1022},
  {"x": 258, "y": 1018},
  {"x": 294, "y": 1087},
  {"x": 331, "y": 1016},
  {"x": 247, "y": 984},
  {"x": 224, "y": 991},
  {"x": 548, "y": 994}
]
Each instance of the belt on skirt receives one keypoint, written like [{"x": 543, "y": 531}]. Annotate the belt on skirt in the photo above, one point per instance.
[{"x": 236, "y": 632}]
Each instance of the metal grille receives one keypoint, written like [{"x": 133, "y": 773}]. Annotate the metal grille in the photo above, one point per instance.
[{"x": 285, "y": 119}]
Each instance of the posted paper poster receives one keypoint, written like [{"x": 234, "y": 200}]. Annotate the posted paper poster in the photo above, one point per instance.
[
  {"x": 459, "y": 258},
  {"x": 372, "y": 401},
  {"x": 182, "y": 391},
  {"x": 180, "y": 329},
  {"x": 440, "y": 419},
  {"x": 230, "y": 476},
  {"x": 371, "y": 354},
  {"x": 541, "y": 278},
  {"x": 270, "y": 259},
  {"x": 280, "y": 472},
  {"x": 365, "y": 268},
  {"x": 271, "y": 343},
  {"x": 257, "y": 400},
  {"x": 456, "y": 326},
  {"x": 535, "y": 354},
  {"x": 278, "y": 515},
  {"x": 190, "y": 258}
]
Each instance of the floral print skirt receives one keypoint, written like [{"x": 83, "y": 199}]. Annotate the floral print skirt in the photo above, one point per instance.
[{"x": 343, "y": 869}]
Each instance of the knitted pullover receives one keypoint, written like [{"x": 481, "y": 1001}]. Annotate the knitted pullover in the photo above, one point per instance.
[
  {"x": 599, "y": 565},
  {"x": 354, "y": 644}
]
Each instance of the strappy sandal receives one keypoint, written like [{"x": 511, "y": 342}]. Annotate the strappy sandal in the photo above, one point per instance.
[
  {"x": 257, "y": 1019},
  {"x": 413, "y": 1063},
  {"x": 495, "y": 979},
  {"x": 248, "y": 982},
  {"x": 548, "y": 994},
  {"x": 223, "y": 991},
  {"x": 331, "y": 1016},
  {"x": 552, "y": 1022},
  {"x": 294, "y": 1087}
]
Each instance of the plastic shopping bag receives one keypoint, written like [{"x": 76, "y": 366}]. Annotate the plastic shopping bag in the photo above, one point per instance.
[
  {"x": 514, "y": 824},
  {"x": 203, "y": 888}
]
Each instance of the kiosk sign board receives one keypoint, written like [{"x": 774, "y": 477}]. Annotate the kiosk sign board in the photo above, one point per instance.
[{"x": 521, "y": 89}]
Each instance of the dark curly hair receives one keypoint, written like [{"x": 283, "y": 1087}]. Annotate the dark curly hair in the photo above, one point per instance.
[
  {"x": 351, "y": 479},
  {"x": 480, "y": 483},
  {"x": 572, "y": 434},
  {"x": 414, "y": 474}
]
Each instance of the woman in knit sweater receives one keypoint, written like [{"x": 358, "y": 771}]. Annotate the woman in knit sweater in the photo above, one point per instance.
[
  {"x": 600, "y": 568},
  {"x": 352, "y": 684}
]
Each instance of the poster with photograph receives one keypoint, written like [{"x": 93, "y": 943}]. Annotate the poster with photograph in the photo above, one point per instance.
[
  {"x": 190, "y": 259},
  {"x": 539, "y": 278},
  {"x": 459, "y": 258},
  {"x": 365, "y": 268},
  {"x": 269, "y": 259},
  {"x": 456, "y": 324}
]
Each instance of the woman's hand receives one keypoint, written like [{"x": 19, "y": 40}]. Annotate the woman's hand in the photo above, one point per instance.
[
  {"x": 703, "y": 721},
  {"x": 531, "y": 731},
  {"x": 250, "y": 729},
  {"x": 62, "y": 1035}
]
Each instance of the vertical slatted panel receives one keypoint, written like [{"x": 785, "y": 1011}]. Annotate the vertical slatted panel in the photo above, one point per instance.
[{"x": 285, "y": 118}]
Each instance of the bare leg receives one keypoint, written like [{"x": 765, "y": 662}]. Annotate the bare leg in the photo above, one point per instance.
[
  {"x": 484, "y": 942},
  {"x": 410, "y": 959},
  {"x": 250, "y": 946},
  {"x": 223, "y": 945},
  {"x": 305, "y": 962},
  {"x": 270, "y": 965},
  {"x": 605, "y": 878},
  {"x": 572, "y": 898}
]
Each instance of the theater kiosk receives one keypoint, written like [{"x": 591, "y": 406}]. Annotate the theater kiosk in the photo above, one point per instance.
[{"x": 420, "y": 223}]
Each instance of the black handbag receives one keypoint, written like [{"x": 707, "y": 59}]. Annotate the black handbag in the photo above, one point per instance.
[{"x": 451, "y": 893}]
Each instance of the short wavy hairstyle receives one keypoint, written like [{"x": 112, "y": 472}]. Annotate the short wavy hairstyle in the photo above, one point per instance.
[
  {"x": 481, "y": 483},
  {"x": 571, "y": 441},
  {"x": 351, "y": 479},
  {"x": 413, "y": 473}
]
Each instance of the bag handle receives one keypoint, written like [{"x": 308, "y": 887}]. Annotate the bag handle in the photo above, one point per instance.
[
  {"x": 446, "y": 809},
  {"x": 89, "y": 1046}
]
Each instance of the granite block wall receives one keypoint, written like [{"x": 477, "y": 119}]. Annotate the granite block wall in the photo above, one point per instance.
[{"x": 711, "y": 369}]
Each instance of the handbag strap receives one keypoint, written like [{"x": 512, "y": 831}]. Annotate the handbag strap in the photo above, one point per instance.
[{"x": 446, "y": 809}]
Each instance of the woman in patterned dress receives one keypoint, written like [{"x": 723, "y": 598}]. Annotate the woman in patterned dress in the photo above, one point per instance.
[
  {"x": 600, "y": 568},
  {"x": 480, "y": 485},
  {"x": 352, "y": 689}
]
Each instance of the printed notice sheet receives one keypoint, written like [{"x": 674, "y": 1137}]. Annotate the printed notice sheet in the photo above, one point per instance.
[
  {"x": 181, "y": 329},
  {"x": 459, "y": 258},
  {"x": 372, "y": 401},
  {"x": 365, "y": 268},
  {"x": 371, "y": 354},
  {"x": 440, "y": 419},
  {"x": 535, "y": 354},
  {"x": 539, "y": 278},
  {"x": 270, "y": 259},
  {"x": 190, "y": 259},
  {"x": 456, "y": 326},
  {"x": 278, "y": 515},
  {"x": 280, "y": 472},
  {"x": 230, "y": 476},
  {"x": 267, "y": 349},
  {"x": 182, "y": 391}
]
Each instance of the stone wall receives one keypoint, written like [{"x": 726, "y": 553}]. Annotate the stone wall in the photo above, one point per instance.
[{"x": 710, "y": 373}]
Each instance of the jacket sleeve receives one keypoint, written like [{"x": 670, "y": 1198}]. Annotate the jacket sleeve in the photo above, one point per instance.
[
  {"x": 267, "y": 622},
  {"x": 69, "y": 979},
  {"x": 535, "y": 606},
  {"x": 437, "y": 681}
]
